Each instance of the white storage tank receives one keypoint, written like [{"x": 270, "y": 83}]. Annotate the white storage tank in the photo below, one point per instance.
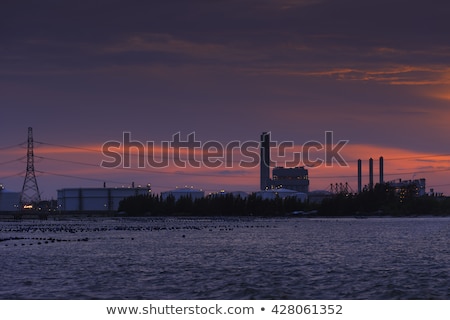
[
  {"x": 235, "y": 194},
  {"x": 95, "y": 199},
  {"x": 281, "y": 193},
  {"x": 185, "y": 192},
  {"x": 9, "y": 201}
]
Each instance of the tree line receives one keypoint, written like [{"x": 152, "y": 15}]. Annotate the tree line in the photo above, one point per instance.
[
  {"x": 215, "y": 205},
  {"x": 382, "y": 200}
]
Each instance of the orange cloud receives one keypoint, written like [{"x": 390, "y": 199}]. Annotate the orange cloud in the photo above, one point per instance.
[
  {"x": 83, "y": 166},
  {"x": 442, "y": 95},
  {"x": 394, "y": 74}
]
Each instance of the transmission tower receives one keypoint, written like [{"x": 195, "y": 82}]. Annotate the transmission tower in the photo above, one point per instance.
[{"x": 30, "y": 191}]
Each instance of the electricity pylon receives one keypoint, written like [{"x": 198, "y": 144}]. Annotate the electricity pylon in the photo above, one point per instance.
[{"x": 30, "y": 192}]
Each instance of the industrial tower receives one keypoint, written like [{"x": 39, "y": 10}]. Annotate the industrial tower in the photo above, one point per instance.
[{"x": 30, "y": 191}]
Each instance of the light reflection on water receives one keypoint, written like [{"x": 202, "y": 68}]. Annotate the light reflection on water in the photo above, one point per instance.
[{"x": 228, "y": 258}]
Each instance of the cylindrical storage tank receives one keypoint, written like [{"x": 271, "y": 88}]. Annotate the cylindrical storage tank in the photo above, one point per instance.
[
  {"x": 95, "y": 199},
  {"x": 281, "y": 193},
  {"x": 183, "y": 192},
  {"x": 9, "y": 201}
]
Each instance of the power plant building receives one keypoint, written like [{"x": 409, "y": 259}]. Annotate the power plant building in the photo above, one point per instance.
[
  {"x": 291, "y": 178},
  {"x": 415, "y": 187},
  {"x": 295, "y": 179},
  {"x": 95, "y": 199}
]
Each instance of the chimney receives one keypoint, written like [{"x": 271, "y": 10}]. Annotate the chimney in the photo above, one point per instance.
[
  {"x": 381, "y": 170},
  {"x": 359, "y": 175}
]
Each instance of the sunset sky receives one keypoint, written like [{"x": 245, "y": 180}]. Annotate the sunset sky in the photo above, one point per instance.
[{"x": 81, "y": 73}]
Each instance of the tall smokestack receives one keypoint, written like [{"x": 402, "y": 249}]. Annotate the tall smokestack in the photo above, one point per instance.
[
  {"x": 381, "y": 170},
  {"x": 370, "y": 174},
  {"x": 265, "y": 161},
  {"x": 359, "y": 175}
]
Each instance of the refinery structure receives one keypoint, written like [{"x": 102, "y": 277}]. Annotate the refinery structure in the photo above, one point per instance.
[{"x": 275, "y": 182}]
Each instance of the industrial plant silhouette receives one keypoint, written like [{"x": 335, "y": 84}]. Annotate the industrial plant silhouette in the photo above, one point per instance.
[{"x": 286, "y": 192}]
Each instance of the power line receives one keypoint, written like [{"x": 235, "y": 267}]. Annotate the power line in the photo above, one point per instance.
[
  {"x": 67, "y": 161},
  {"x": 12, "y": 175},
  {"x": 91, "y": 179},
  {"x": 76, "y": 177},
  {"x": 157, "y": 171},
  {"x": 65, "y": 146},
  {"x": 154, "y": 171},
  {"x": 13, "y": 146},
  {"x": 420, "y": 157},
  {"x": 161, "y": 157},
  {"x": 439, "y": 185},
  {"x": 386, "y": 174},
  {"x": 11, "y": 161},
  {"x": 165, "y": 158}
]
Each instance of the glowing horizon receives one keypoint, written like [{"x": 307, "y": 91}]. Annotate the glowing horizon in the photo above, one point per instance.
[{"x": 58, "y": 167}]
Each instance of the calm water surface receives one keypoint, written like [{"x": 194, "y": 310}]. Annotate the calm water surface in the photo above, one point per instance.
[{"x": 229, "y": 258}]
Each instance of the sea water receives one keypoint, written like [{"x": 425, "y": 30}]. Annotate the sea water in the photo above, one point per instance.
[{"x": 225, "y": 258}]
